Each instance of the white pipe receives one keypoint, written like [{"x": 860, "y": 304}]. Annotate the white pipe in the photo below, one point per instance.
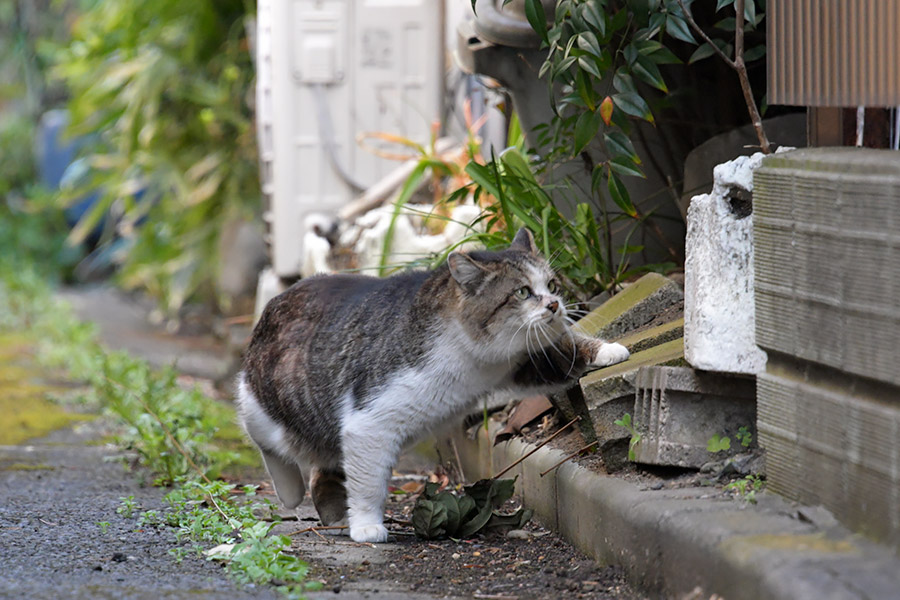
[{"x": 860, "y": 125}]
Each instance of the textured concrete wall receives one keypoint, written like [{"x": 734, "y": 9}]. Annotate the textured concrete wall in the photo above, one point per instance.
[{"x": 827, "y": 248}]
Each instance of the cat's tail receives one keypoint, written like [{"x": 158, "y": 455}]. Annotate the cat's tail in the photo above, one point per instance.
[{"x": 271, "y": 439}]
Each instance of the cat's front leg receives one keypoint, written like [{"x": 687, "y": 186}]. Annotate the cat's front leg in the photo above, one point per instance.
[
  {"x": 369, "y": 455},
  {"x": 604, "y": 354}
]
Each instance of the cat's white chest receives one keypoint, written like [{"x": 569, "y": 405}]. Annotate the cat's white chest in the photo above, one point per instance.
[{"x": 442, "y": 386}]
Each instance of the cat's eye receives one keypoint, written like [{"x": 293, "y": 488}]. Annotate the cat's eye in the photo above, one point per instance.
[
  {"x": 553, "y": 287},
  {"x": 523, "y": 292}
]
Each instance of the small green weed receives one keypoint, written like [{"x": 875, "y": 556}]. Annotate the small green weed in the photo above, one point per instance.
[
  {"x": 744, "y": 436},
  {"x": 746, "y": 487},
  {"x": 150, "y": 518},
  {"x": 104, "y": 526},
  {"x": 127, "y": 507},
  {"x": 718, "y": 443},
  {"x": 625, "y": 422}
]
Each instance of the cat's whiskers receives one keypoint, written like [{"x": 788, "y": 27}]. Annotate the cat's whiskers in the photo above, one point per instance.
[
  {"x": 539, "y": 329},
  {"x": 531, "y": 353},
  {"x": 573, "y": 308},
  {"x": 542, "y": 329},
  {"x": 574, "y": 349},
  {"x": 513, "y": 338}
]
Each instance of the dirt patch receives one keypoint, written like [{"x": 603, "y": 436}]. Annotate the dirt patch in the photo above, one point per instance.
[{"x": 535, "y": 564}]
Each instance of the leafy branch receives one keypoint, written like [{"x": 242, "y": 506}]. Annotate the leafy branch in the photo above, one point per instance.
[{"x": 737, "y": 63}]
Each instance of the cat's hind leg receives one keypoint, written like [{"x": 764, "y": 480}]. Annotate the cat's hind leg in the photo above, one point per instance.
[
  {"x": 270, "y": 438},
  {"x": 329, "y": 494},
  {"x": 286, "y": 477}
]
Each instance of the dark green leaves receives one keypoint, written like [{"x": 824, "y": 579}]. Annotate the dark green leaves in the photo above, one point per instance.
[
  {"x": 633, "y": 104},
  {"x": 429, "y": 519},
  {"x": 619, "y": 194},
  {"x": 704, "y": 51},
  {"x": 624, "y": 166},
  {"x": 595, "y": 17},
  {"x": 648, "y": 72},
  {"x": 678, "y": 28},
  {"x": 534, "y": 12},
  {"x": 755, "y": 53},
  {"x": 444, "y": 514},
  {"x": 585, "y": 129},
  {"x": 618, "y": 144}
]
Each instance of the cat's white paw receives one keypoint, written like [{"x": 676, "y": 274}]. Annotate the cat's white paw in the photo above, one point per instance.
[
  {"x": 369, "y": 533},
  {"x": 610, "y": 354}
]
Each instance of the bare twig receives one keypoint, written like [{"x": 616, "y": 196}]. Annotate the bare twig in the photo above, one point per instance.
[
  {"x": 656, "y": 230},
  {"x": 239, "y": 320},
  {"x": 689, "y": 18},
  {"x": 570, "y": 457},
  {"x": 737, "y": 64},
  {"x": 459, "y": 466},
  {"x": 396, "y": 521},
  {"x": 538, "y": 447},
  {"x": 317, "y": 529}
]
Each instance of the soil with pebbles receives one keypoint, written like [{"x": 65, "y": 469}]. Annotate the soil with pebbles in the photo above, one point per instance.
[{"x": 532, "y": 563}]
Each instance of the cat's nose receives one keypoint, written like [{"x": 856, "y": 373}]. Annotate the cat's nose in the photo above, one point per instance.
[{"x": 553, "y": 307}]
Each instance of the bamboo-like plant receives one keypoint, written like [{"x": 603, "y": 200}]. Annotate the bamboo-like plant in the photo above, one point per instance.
[{"x": 166, "y": 85}]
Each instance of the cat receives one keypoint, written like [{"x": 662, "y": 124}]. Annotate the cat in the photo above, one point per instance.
[{"x": 344, "y": 370}]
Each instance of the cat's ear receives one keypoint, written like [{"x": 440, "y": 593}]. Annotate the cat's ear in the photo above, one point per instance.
[
  {"x": 523, "y": 241},
  {"x": 466, "y": 271}
]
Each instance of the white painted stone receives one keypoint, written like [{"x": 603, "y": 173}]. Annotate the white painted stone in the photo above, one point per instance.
[
  {"x": 719, "y": 309},
  {"x": 407, "y": 243}
]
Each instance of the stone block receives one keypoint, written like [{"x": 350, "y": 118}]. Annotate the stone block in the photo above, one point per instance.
[
  {"x": 677, "y": 410},
  {"x": 607, "y": 400},
  {"x": 654, "y": 336},
  {"x": 633, "y": 307},
  {"x": 719, "y": 313},
  {"x": 608, "y": 393},
  {"x": 671, "y": 354}
]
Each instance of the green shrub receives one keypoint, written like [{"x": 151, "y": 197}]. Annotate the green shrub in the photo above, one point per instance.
[{"x": 167, "y": 85}]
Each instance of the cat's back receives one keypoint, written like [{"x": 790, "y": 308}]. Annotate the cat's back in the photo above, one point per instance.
[{"x": 327, "y": 305}]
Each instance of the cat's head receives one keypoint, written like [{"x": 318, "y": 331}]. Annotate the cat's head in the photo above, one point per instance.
[{"x": 510, "y": 300}]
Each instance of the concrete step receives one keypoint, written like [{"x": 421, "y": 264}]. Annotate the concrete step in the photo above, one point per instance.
[{"x": 673, "y": 541}]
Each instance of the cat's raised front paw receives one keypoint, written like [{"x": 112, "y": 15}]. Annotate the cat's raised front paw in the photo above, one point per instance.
[
  {"x": 375, "y": 534},
  {"x": 610, "y": 354}
]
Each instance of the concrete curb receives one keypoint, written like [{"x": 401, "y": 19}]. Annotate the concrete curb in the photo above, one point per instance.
[{"x": 671, "y": 541}]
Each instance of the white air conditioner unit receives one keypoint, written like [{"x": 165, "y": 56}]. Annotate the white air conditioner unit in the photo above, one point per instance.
[{"x": 326, "y": 71}]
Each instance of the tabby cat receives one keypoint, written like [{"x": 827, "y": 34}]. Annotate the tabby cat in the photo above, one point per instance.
[{"x": 345, "y": 370}]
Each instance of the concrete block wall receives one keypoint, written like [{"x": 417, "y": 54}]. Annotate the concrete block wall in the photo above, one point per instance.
[{"x": 827, "y": 276}]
